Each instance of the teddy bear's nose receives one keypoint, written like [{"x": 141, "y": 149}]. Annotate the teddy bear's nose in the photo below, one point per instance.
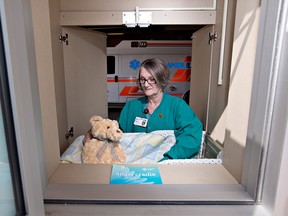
[{"x": 118, "y": 131}]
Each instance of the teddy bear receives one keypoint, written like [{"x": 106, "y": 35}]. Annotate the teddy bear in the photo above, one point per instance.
[{"x": 104, "y": 147}]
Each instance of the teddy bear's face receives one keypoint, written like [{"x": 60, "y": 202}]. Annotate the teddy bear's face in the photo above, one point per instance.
[{"x": 105, "y": 128}]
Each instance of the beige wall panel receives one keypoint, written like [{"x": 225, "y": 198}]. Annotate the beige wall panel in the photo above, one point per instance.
[
  {"x": 158, "y": 17},
  {"x": 184, "y": 17},
  {"x": 85, "y": 60},
  {"x": 91, "y": 18},
  {"x": 116, "y": 5},
  {"x": 200, "y": 73},
  {"x": 242, "y": 69},
  {"x": 44, "y": 59},
  {"x": 58, "y": 71},
  {"x": 219, "y": 93}
]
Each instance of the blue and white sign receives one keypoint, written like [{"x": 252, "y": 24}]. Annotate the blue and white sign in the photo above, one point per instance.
[{"x": 135, "y": 175}]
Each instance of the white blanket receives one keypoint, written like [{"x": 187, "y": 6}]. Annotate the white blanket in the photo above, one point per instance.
[
  {"x": 140, "y": 148},
  {"x": 147, "y": 148}
]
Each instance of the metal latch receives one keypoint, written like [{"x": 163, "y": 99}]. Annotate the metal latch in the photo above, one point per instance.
[
  {"x": 212, "y": 37},
  {"x": 63, "y": 38}
]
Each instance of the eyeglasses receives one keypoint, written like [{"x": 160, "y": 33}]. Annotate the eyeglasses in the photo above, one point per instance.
[{"x": 149, "y": 81}]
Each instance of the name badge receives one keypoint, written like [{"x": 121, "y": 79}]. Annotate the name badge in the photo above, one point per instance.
[{"x": 141, "y": 122}]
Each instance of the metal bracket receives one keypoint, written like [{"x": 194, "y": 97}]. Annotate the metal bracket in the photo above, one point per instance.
[
  {"x": 145, "y": 19},
  {"x": 129, "y": 19},
  {"x": 132, "y": 19},
  {"x": 63, "y": 38},
  {"x": 212, "y": 37}
]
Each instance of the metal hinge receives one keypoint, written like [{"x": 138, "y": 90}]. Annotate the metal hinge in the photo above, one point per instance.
[
  {"x": 212, "y": 37},
  {"x": 69, "y": 133},
  {"x": 63, "y": 38}
]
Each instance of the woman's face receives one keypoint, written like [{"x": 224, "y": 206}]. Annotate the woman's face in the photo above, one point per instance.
[{"x": 149, "y": 89}]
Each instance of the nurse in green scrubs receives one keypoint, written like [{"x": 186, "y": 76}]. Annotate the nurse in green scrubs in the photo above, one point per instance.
[{"x": 160, "y": 111}]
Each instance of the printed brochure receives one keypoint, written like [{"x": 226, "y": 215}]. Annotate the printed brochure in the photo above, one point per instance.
[{"x": 122, "y": 174}]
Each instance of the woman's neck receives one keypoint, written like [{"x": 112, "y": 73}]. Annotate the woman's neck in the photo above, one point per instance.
[{"x": 154, "y": 101}]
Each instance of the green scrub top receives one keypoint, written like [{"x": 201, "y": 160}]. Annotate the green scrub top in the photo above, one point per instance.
[{"x": 173, "y": 113}]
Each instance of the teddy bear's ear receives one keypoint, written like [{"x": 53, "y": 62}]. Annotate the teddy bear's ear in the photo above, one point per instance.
[
  {"x": 115, "y": 122},
  {"x": 95, "y": 118}
]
